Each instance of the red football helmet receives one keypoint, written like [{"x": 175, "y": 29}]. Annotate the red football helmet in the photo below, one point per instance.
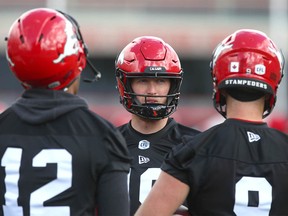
[
  {"x": 150, "y": 57},
  {"x": 247, "y": 59},
  {"x": 45, "y": 49}
]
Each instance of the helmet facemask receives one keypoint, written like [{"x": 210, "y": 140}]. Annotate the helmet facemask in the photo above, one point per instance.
[{"x": 146, "y": 109}]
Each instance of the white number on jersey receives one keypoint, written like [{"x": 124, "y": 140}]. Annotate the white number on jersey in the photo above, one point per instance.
[
  {"x": 146, "y": 182},
  {"x": 12, "y": 161},
  {"x": 253, "y": 196}
]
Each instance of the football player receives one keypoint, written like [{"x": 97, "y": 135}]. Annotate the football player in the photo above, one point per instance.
[
  {"x": 238, "y": 167},
  {"x": 149, "y": 77},
  {"x": 57, "y": 157}
]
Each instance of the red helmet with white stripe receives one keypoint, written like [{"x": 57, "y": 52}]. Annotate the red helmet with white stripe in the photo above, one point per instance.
[
  {"x": 150, "y": 57},
  {"x": 45, "y": 49},
  {"x": 249, "y": 60}
]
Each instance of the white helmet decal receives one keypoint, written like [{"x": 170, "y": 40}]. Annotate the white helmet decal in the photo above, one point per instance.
[{"x": 71, "y": 46}]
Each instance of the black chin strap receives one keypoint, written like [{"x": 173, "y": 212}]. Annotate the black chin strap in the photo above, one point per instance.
[{"x": 97, "y": 74}]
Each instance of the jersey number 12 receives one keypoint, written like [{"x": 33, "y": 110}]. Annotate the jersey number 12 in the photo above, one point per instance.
[{"x": 11, "y": 160}]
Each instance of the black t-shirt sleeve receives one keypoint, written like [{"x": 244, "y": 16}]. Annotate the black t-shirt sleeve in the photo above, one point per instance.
[
  {"x": 113, "y": 194},
  {"x": 119, "y": 157},
  {"x": 174, "y": 163}
]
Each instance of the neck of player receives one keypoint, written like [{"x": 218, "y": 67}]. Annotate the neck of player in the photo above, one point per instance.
[
  {"x": 147, "y": 126},
  {"x": 249, "y": 111}
]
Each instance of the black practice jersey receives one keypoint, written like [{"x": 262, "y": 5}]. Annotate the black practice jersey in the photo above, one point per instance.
[
  {"x": 234, "y": 168},
  {"x": 57, "y": 166},
  {"x": 148, "y": 152}
]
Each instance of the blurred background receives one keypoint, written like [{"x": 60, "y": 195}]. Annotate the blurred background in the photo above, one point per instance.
[{"x": 192, "y": 27}]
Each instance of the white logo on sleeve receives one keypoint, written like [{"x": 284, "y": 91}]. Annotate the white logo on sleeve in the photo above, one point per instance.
[
  {"x": 252, "y": 137},
  {"x": 143, "y": 159}
]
